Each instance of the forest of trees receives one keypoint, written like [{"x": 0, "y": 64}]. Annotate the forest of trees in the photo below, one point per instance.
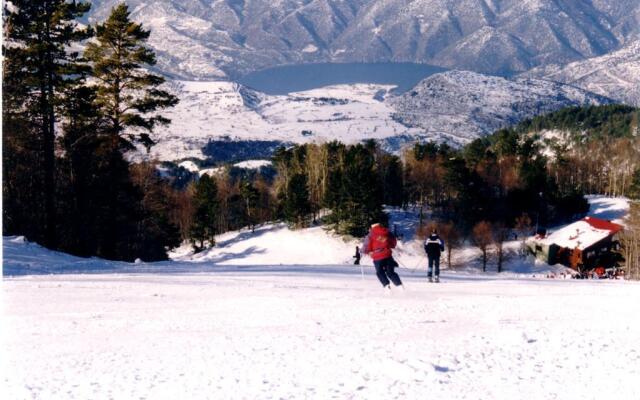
[
  {"x": 69, "y": 119},
  {"x": 599, "y": 150}
]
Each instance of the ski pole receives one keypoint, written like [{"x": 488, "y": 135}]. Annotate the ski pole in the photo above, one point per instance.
[{"x": 412, "y": 270}]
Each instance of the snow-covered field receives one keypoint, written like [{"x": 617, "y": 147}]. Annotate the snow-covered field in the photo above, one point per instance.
[
  {"x": 240, "y": 323},
  {"x": 215, "y": 110},
  {"x": 317, "y": 332}
]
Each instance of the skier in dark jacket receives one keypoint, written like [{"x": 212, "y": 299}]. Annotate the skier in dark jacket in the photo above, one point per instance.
[
  {"x": 357, "y": 257},
  {"x": 433, "y": 246},
  {"x": 378, "y": 244}
]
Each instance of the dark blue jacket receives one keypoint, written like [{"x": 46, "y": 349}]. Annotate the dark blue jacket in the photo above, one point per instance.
[{"x": 433, "y": 246}]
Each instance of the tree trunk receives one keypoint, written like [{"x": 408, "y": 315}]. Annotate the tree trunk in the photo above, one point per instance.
[{"x": 484, "y": 260}]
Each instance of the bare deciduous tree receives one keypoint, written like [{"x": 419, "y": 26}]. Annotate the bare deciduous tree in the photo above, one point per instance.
[
  {"x": 452, "y": 238},
  {"x": 482, "y": 237}
]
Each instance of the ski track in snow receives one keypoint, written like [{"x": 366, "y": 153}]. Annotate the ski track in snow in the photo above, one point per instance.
[{"x": 246, "y": 334}]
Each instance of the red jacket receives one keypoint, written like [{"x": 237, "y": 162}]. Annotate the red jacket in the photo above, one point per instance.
[{"x": 379, "y": 243}]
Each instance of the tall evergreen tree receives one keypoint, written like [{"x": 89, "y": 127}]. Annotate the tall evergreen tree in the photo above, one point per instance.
[
  {"x": 390, "y": 168},
  {"x": 296, "y": 200},
  {"x": 38, "y": 67},
  {"x": 127, "y": 93},
  {"x": 361, "y": 191},
  {"x": 206, "y": 212},
  {"x": 250, "y": 196}
]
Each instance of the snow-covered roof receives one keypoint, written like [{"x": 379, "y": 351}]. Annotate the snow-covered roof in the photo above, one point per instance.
[{"x": 583, "y": 234}]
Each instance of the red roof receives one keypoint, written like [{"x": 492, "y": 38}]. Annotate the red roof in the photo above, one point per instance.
[{"x": 603, "y": 224}]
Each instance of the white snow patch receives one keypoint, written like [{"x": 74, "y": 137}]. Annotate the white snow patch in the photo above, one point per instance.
[
  {"x": 189, "y": 166},
  {"x": 211, "y": 171},
  {"x": 310, "y": 48},
  {"x": 613, "y": 209},
  {"x": 253, "y": 164},
  {"x": 274, "y": 245}
]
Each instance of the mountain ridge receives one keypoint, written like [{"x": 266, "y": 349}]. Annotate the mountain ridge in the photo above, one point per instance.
[
  {"x": 208, "y": 39},
  {"x": 615, "y": 75}
]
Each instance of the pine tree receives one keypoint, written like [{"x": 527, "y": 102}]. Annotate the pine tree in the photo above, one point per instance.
[
  {"x": 296, "y": 200},
  {"x": 206, "y": 212},
  {"x": 80, "y": 185},
  {"x": 126, "y": 92},
  {"x": 361, "y": 192},
  {"x": 390, "y": 169},
  {"x": 38, "y": 67},
  {"x": 250, "y": 196}
]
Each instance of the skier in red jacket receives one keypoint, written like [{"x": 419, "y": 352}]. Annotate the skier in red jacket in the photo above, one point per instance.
[{"x": 378, "y": 245}]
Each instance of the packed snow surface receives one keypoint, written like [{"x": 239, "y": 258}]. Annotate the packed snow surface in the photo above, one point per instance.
[{"x": 317, "y": 332}]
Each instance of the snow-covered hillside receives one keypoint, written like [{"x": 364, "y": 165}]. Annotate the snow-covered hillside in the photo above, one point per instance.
[
  {"x": 467, "y": 105},
  {"x": 453, "y": 107},
  {"x": 228, "y": 38},
  {"x": 615, "y": 75},
  {"x": 225, "y": 110}
]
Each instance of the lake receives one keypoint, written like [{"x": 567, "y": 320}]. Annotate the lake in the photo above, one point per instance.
[{"x": 294, "y": 78}]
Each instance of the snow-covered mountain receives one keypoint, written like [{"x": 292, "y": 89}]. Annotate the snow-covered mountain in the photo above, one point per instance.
[
  {"x": 454, "y": 107},
  {"x": 204, "y": 39},
  {"x": 467, "y": 105},
  {"x": 200, "y": 41},
  {"x": 615, "y": 75}
]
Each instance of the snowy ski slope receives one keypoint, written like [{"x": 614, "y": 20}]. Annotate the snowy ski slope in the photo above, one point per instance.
[{"x": 200, "y": 327}]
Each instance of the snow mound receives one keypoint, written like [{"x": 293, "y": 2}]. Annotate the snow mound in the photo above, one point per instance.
[{"x": 274, "y": 245}]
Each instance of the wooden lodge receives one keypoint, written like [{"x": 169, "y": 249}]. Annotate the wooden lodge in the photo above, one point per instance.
[{"x": 583, "y": 245}]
